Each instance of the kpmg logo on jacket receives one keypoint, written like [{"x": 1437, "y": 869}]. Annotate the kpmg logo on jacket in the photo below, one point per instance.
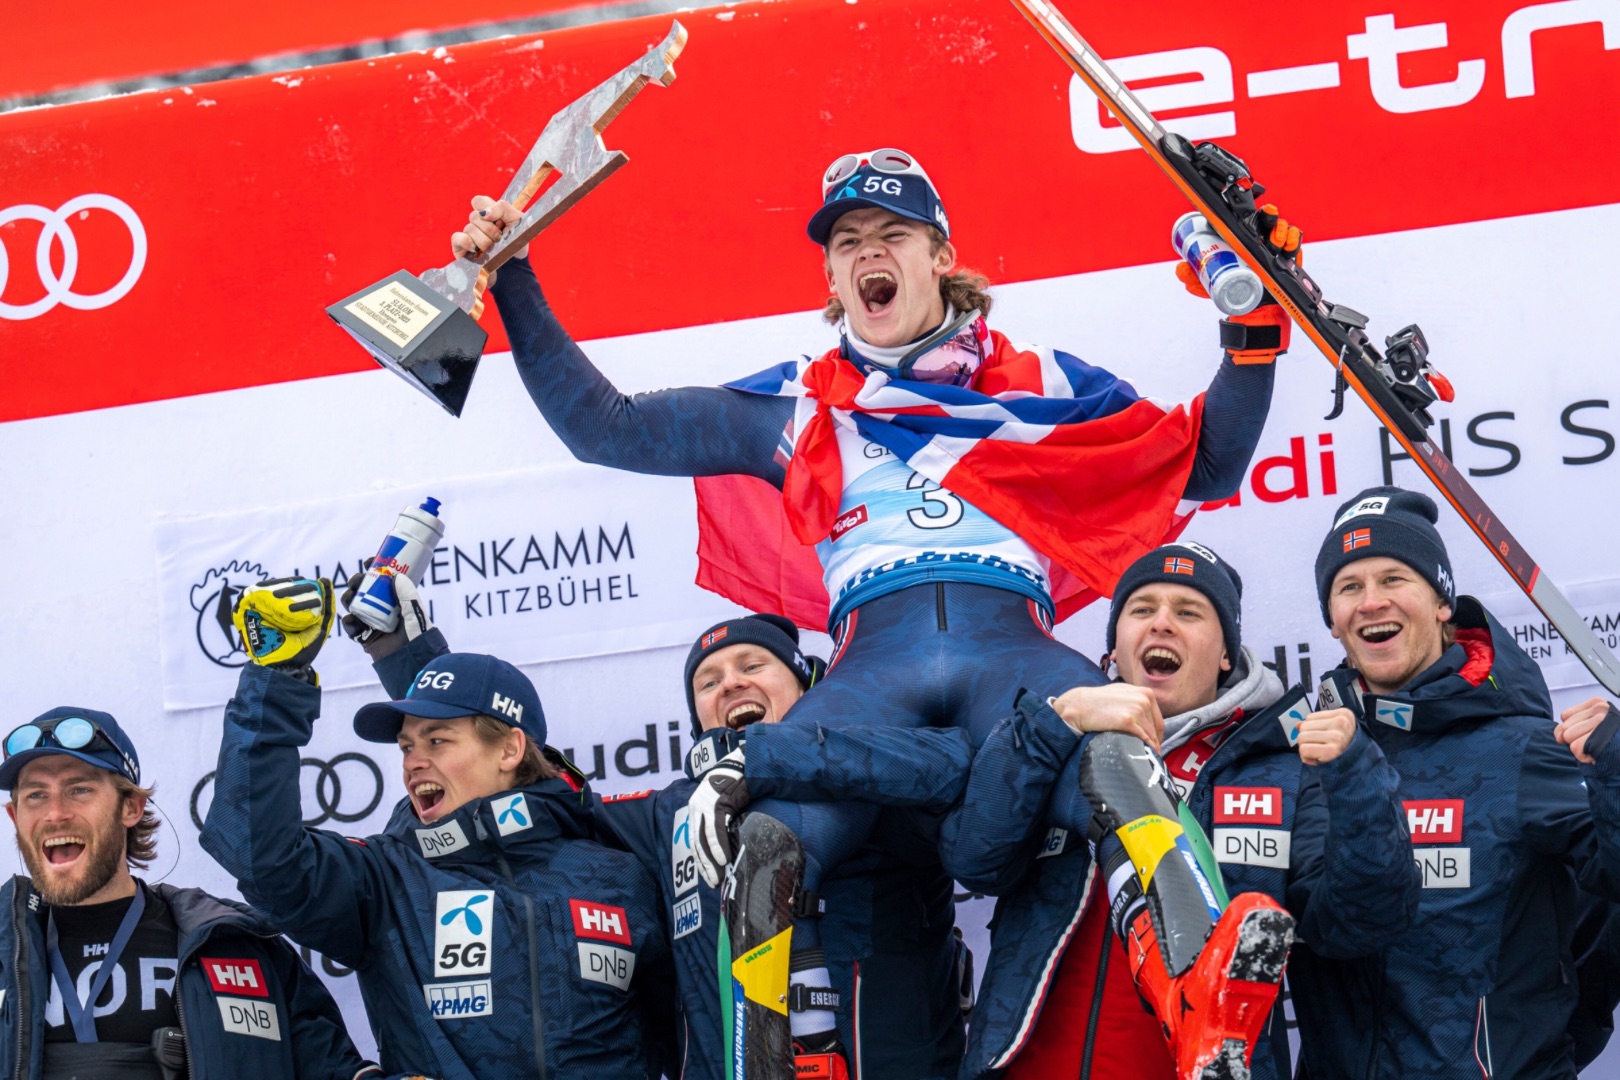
[
  {"x": 459, "y": 1000},
  {"x": 463, "y": 932},
  {"x": 687, "y": 916}
]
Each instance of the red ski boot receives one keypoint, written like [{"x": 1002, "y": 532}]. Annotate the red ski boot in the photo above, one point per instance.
[
  {"x": 1215, "y": 1011},
  {"x": 821, "y": 1058}
]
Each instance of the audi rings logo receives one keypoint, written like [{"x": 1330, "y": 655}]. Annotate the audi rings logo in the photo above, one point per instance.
[
  {"x": 347, "y": 789},
  {"x": 58, "y": 229}
]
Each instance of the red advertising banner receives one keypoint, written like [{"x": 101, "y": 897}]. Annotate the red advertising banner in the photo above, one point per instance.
[
  {"x": 186, "y": 241},
  {"x": 105, "y": 40}
]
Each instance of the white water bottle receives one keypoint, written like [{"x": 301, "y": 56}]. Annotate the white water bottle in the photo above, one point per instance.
[
  {"x": 1235, "y": 288},
  {"x": 407, "y": 549}
]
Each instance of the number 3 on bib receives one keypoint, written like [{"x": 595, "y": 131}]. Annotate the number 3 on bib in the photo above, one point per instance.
[{"x": 941, "y": 509}]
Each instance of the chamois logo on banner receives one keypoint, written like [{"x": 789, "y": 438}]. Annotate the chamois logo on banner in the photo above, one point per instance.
[{"x": 212, "y": 599}]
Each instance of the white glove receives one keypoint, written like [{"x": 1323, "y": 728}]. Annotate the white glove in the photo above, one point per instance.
[{"x": 720, "y": 797}]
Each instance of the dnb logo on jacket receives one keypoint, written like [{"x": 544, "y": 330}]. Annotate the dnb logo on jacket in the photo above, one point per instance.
[
  {"x": 1439, "y": 821},
  {"x": 687, "y": 914},
  {"x": 1247, "y": 827},
  {"x": 601, "y": 928},
  {"x": 240, "y": 992}
]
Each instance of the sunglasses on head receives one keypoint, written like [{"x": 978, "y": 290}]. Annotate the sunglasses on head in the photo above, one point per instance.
[
  {"x": 888, "y": 160},
  {"x": 65, "y": 733}
]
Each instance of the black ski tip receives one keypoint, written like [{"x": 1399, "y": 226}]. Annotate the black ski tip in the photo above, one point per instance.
[
  {"x": 1228, "y": 1064},
  {"x": 1262, "y": 946}
]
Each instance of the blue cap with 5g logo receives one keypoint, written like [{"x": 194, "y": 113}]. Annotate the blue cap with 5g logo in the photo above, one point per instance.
[
  {"x": 887, "y": 179},
  {"x": 459, "y": 684}
]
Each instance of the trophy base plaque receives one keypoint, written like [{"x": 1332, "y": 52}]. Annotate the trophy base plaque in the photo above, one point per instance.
[{"x": 426, "y": 339}]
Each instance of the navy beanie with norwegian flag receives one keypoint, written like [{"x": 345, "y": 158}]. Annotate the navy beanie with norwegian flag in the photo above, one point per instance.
[
  {"x": 1197, "y": 567},
  {"x": 1385, "y": 522},
  {"x": 773, "y": 633}
]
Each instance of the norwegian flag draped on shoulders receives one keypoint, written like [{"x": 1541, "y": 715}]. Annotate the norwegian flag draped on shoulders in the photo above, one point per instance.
[{"x": 1064, "y": 454}]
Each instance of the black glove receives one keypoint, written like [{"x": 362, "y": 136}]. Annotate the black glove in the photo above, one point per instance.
[{"x": 413, "y": 618}]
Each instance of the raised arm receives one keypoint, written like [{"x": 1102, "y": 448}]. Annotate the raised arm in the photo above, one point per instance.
[
  {"x": 318, "y": 887},
  {"x": 692, "y": 431},
  {"x": 1570, "y": 809},
  {"x": 1235, "y": 407}
]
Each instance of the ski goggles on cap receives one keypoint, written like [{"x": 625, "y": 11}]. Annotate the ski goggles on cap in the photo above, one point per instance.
[
  {"x": 888, "y": 161},
  {"x": 888, "y": 179},
  {"x": 97, "y": 742}
]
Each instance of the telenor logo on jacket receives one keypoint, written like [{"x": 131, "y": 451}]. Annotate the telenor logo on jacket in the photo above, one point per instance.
[
  {"x": 1439, "y": 821},
  {"x": 1251, "y": 844},
  {"x": 463, "y": 932},
  {"x": 242, "y": 1015},
  {"x": 687, "y": 913},
  {"x": 511, "y": 814},
  {"x": 598, "y": 962}
]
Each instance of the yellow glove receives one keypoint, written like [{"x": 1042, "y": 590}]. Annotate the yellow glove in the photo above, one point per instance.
[{"x": 284, "y": 622}]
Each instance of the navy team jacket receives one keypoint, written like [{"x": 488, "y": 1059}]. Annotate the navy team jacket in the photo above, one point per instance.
[
  {"x": 499, "y": 941},
  {"x": 1506, "y": 825},
  {"x": 1328, "y": 842},
  {"x": 250, "y": 1007},
  {"x": 877, "y": 919}
]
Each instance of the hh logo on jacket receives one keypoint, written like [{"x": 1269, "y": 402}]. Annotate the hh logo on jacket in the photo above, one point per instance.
[
  {"x": 1439, "y": 821},
  {"x": 597, "y": 924},
  {"x": 1242, "y": 815},
  {"x": 242, "y": 1015}
]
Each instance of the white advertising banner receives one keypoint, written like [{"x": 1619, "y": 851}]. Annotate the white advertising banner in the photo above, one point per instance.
[{"x": 546, "y": 564}]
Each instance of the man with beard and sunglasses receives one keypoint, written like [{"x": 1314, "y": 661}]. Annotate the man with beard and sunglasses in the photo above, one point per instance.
[
  {"x": 98, "y": 968},
  {"x": 961, "y": 492}
]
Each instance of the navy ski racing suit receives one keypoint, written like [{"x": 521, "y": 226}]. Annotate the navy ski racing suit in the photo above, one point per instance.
[{"x": 934, "y": 637}]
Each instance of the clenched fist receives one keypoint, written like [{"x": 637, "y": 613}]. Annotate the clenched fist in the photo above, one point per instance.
[
  {"x": 1115, "y": 707},
  {"x": 489, "y": 218},
  {"x": 1323, "y": 736}
]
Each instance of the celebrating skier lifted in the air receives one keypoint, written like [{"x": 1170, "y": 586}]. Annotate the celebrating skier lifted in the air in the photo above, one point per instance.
[{"x": 961, "y": 493}]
